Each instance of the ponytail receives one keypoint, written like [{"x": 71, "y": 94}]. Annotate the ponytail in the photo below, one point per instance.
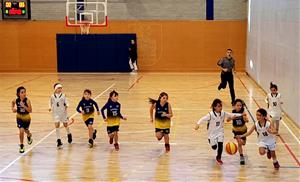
[{"x": 153, "y": 101}]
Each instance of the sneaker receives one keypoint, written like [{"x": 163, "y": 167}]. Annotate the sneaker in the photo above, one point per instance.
[
  {"x": 29, "y": 139},
  {"x": 59, "y": 144},
  {"x": 117, "y": 146},
  {"x": 111, "y": 140},
  {"x": 22, "y": 149},
  {"x": 219, "y": 161},
  {"x": 269, "y": 154},
  {"x": 91, "y": 142},
  {"x": 242, "y": 160},
  {"x": 94, "y": 134},
  {"x": 276, "y": 165},
  {"x": 167, "y": 146},
  {"x": 70, "y": 138}
]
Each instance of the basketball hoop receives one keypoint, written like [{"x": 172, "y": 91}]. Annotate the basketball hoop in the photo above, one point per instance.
[
  {"x": 85, "y": 28},
  {"x": 86, "y": 14}
]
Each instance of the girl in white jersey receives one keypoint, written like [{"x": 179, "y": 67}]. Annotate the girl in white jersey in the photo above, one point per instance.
[
  {"x": 274, "y": 102},
  {"x": 58, "y": 104},
  {"x": 265, "y": 137},
  {"x": 215, "y": 127}
]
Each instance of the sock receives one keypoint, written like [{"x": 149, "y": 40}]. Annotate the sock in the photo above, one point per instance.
[
  {"x": 220, "y": 150},
  {"x": 274, "y": 160},
  {"x": 68, "y": 130},
  {"x": 57, "y": 133}
]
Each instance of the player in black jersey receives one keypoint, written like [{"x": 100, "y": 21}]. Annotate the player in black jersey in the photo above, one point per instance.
[
  {"x": 163, "y": 115},
  {"x": 239, "y": 126},
  {"x": 22, "y": 107}
]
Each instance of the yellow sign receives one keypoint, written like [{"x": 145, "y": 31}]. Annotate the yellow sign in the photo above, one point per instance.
[{"x": 8, "y": 4}]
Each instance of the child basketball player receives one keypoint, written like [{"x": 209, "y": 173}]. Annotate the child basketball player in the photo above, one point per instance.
[
  {"x": 22, "y": 107},
  {"x": 274, "y": 103},
  {"x": 86, "y": 108},
  {"x": 58, "y": 105},
  {"x": 215, "y": 126},
  {"x": 113, "y": 117},
  {"x": 163, "y": 115},
  {"x": 239, "y": 126},
  {"x": 266, "y": 139}
]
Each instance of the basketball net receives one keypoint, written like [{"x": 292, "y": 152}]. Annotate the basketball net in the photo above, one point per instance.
[{"x": 85, "y": 28}]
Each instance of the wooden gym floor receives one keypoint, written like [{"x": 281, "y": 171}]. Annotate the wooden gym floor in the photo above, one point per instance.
[{"x": 141, "y": 157}]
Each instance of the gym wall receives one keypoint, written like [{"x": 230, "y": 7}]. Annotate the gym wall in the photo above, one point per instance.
[{"x": 162, "y": 45}]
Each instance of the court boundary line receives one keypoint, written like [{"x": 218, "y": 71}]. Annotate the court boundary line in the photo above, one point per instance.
[
  {"x": 23, "y": 82},
  {"x": 135, "y": 83},
  {"x": 50, "y": 133},
  {"x": 282, "y": 140}
]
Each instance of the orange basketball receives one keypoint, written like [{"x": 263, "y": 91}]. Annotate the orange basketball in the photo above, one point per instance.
[{"x": 231, "y": 148}]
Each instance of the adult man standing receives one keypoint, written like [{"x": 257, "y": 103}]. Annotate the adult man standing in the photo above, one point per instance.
[
  {"x": 133, "y": 56},
  {"x": 227, "y": 65}
]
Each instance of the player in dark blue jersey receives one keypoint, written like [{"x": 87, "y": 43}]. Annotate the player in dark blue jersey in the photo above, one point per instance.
[
  {"x": 113, "y": 117},
  {"x": 86, "y": 108}
]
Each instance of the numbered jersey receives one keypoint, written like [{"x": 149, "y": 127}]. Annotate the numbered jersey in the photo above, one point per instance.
[
  {"x": 274, "y": 102},
  {"x": 215, "y": 125},
  {"x": 20, "y": 109},
  {"x": 263, "y": 134},
  {"x": 113, "y": 113},
  {"x": 58, "y": 103}
]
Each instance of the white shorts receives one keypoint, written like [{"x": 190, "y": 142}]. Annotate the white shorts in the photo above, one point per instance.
[
  {"x": 60, "y": 118},
  {"x": 275, "y": 118},
  {"x": 215, "y": 140},
  {"x": 270, "y": 146}
]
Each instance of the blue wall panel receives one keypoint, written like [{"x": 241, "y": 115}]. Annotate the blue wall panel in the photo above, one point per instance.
[{"x": 93, "y": 52}]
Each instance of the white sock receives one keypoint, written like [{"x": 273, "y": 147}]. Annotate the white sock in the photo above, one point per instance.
[
  {"x": 68, "y": 130},
  {"x": 57, "y": 133}
]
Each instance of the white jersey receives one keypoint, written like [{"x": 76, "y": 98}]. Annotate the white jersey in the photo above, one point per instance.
[
  {"x": 263, "y": 135},
  {"x": 274, "y": 102},
  {"x": 58, "y": 104},
  {"x": 216, "y": 123}
]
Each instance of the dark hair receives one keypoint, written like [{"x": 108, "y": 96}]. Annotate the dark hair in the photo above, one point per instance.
[
  {"x": 87, "y": 91},
  {"x": 19, "y": 90},
  {"x": 215, "y": 103},
  {"x": 262, "y": 111},
  {"x": 239, "y": 100},
  {"x": 153, "y": 101},
  {"x": 273, "y": 86},
  {"x": 112, "y": 93},
  {"x": 229, "y": 49},
  {"x": 55, "y": 85}
]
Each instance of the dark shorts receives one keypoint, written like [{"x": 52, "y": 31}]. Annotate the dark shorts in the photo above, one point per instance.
[
  {"x": 23, "y": 124},
  {"x": 240, "y": 133},
  {"x": 111, "y": 129},
  {"x": 89, "y": 121},
  {"x": 164, "y": 131}
]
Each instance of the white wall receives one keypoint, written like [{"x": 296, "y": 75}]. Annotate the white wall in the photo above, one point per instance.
[{"x": 273, "y": 46}]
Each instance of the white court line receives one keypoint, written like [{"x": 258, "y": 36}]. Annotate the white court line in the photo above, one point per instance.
[
  {"x": 291, "y": 132},
  {"x": 45, "y": 137}
]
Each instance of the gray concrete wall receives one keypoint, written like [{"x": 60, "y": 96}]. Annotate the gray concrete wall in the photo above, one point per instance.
[{"x": 148, "y": 9}]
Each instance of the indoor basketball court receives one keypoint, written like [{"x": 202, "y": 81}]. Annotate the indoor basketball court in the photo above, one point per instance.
[{"x": 87, "y": 44}]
